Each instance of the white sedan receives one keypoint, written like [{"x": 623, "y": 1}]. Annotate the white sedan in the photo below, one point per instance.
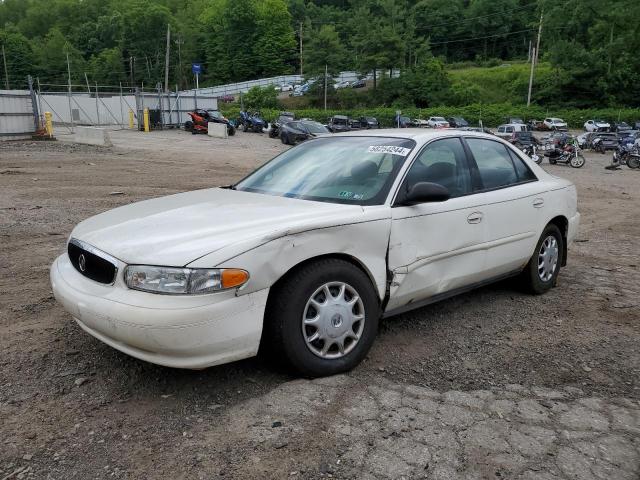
[
  {"x": 437, "y": 122},
  {"x": 554, "y": 124},
  {"x": 596, "y": 126},
  {"x": 306, "y": 254}
]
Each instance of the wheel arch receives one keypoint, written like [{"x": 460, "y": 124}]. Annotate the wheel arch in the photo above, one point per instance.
[
  {"x": 562, "y": 223},
  {"x": 337, "y": 255}
]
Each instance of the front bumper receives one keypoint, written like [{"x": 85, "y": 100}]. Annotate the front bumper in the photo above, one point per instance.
[{"x": 194, "y": 331}]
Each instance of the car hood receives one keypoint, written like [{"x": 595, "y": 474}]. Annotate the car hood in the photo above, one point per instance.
[{"x": 177, "y": 229}]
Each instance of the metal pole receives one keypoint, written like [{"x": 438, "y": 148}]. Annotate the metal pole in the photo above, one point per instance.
[
  {"x": 325, "y": 85},
  {"x": 121, "y": 109},
  {"x": 39, "y": 93},
  {"x": 86, "y": 79},
  {"x": 537, "y": 50},
  {"x": 97, "y": 106},
  {"x": 34, "y": 104},
  {"x": 166, "y": 60},
  {"x": 533, "y": 65},
  {"x": 6, "y": 72},
  {"x": 301, "y": 23},
  {"x": 69, "y": 93},
  {"x": 195, "y": 92}
]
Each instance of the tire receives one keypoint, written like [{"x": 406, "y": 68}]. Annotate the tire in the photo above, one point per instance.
[
  {"x": 283, "y": 139},
  {"x": 188, "y": 125},
  {"x": 245, "y": 127},
  {"x": 577, "y": 161},
  {"x": 633, "y": 161},
  {"x": 290, "y": 336},
  {"x": 552, "y": 161},
  {"x": 273, "y": 132},
  {"x": 533, "y": 280},
  {"x": 231, "y": 131}
]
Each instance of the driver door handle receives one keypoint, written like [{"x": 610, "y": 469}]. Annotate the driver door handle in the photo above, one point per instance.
[
  {"x": 538, "y": 202},
  {"x": 475, "y": 217}
]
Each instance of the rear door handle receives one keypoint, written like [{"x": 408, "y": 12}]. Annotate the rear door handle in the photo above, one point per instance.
[
  {"x": 475, "y": 217},
  {"x": 538, "y": 202}
]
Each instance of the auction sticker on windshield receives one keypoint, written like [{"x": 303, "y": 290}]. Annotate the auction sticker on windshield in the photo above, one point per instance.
[{"x": 402, "y": 151}]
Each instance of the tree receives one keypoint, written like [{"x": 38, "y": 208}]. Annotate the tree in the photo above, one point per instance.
[
  {"x": 107, "y": 67},
  {"x": 324, "y": 48},
  {"x": 20, "y": 57},
  {"x": 51, "y": 57},
  {"x": 276, "y": 44}
]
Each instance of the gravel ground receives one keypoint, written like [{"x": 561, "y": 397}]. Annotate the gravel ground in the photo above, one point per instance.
[{"x": 491, "y": 384}]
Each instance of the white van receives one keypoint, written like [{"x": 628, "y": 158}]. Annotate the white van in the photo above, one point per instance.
[{"x": 507, "y": 130}]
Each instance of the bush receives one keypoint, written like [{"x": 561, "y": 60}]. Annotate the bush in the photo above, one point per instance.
[{"x": 258, "y": 98}]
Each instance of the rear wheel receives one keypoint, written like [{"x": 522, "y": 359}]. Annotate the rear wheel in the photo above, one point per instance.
[
  {"x": 541, "y": 272},
  {"x": 188, "y": 125},
  {"x": 323, "y": 319},
  {"x": 633, "y": 161}
]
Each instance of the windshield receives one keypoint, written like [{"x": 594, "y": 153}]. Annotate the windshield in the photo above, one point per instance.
[
  {"x": 339, "y": 121},
  {"x": 438, "y": 119},
  {"x": 352, "y": 170},
  {"x": 315, "y": 127}
]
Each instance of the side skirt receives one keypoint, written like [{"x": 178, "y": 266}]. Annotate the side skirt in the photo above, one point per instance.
[{"x": 449, "y": 294}]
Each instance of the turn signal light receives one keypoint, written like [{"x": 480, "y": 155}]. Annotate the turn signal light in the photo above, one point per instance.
[{"x": 232, "y": 277}]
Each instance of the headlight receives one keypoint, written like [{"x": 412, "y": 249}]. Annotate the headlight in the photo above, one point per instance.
[{"x": 183, "y": 281}]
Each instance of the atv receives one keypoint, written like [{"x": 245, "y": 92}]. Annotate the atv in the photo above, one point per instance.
[
  {"x": 251, "y": 121},
  {"x": 200, "y": 119}
]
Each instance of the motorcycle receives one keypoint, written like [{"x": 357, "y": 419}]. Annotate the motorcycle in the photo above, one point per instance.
[
  {"x": 532, "y": 152},
  {"x": 200, "y": 119},
  {"x": 251, "y": 121},
  {"x": 597, "y": 145},
  {"x": 568, "y": 153},
  {"x": 628, "y": 154}
]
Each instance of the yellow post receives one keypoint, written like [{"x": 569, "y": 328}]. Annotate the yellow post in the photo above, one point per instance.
[
  {"x": 48, "y": 123},
  {"x": 130, "y": 118},
  {"x": 146, "y": 120}
]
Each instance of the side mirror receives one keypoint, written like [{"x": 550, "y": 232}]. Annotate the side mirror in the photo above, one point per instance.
[{"x": 424, "y": 192}]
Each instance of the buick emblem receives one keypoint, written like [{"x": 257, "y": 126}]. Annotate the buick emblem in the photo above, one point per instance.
[{"x": 82, "y": 262}]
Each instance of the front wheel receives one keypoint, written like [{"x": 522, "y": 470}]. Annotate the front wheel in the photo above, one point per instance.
[
  {"x": 231, "y": 130},
  {"x": 577, "y": 161},
  {"x": 322, "y": 319},
  {"x": 541, "y": 272}
]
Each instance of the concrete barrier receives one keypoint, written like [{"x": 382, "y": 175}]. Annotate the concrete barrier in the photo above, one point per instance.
[
  {"x": 217, "y": 130},
  {"x": 93, "y": 136}
]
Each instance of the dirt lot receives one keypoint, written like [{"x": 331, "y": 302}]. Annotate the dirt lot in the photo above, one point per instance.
[{"x": 493, "y": 383}]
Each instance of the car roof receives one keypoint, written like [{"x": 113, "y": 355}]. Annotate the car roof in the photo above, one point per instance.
[{"x": 420, "y": 135}]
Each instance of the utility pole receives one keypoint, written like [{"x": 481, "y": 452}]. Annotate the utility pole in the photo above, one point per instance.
[
  {"x": 69, "y": 92},
  {"x": 131, "y": 71},
  {"x": 301, "y": 48},
  {"x": 166, "y": 59},
  {"x": 533, "y": 64},
  {"x": 325, "y": 85},
  {"x": 6, "y": 72},
  {"x": 534, "y": 59},
  {"x": 610, "y": 47},
  {"x": 179, "y": 42}
]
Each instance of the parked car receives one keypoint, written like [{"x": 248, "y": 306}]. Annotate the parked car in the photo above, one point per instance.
[
  {"x": 301, "y": 130},
  {"x": 339, "y": 123},
  {"x": 553, "y": 123},
  {"x": 420, "y": 123},
  {"x": 628, "y": 136},
  {"x": 401, "y": 121},
  {"x": 437, "y": 122},
  {"x": 301, "y": 90},
  {"x": 359, "y": 84},
  {"x": 355, "y": 124},
  {"x": 301, "y": 258},
  {"x": 636, "y": 125},
  {"x": 457, "y": 122},
  {"x": 609, "y": 139},
  {"x": 477, "y": 129},
  {"x": 226, "y": 98},
  {"x": 343, "y": 84},
  {"x": 535, "y": 124},
  {"x": 369, "y": 122},
  {"x": 517, "y": 120},
  {"x": 619, "y": 127},
  {"x": 284, "y": 117},
  {"x": 286, "y": 87},
  {"x": 506, "y": 131},
  {"x": 596, "y": 126}
]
